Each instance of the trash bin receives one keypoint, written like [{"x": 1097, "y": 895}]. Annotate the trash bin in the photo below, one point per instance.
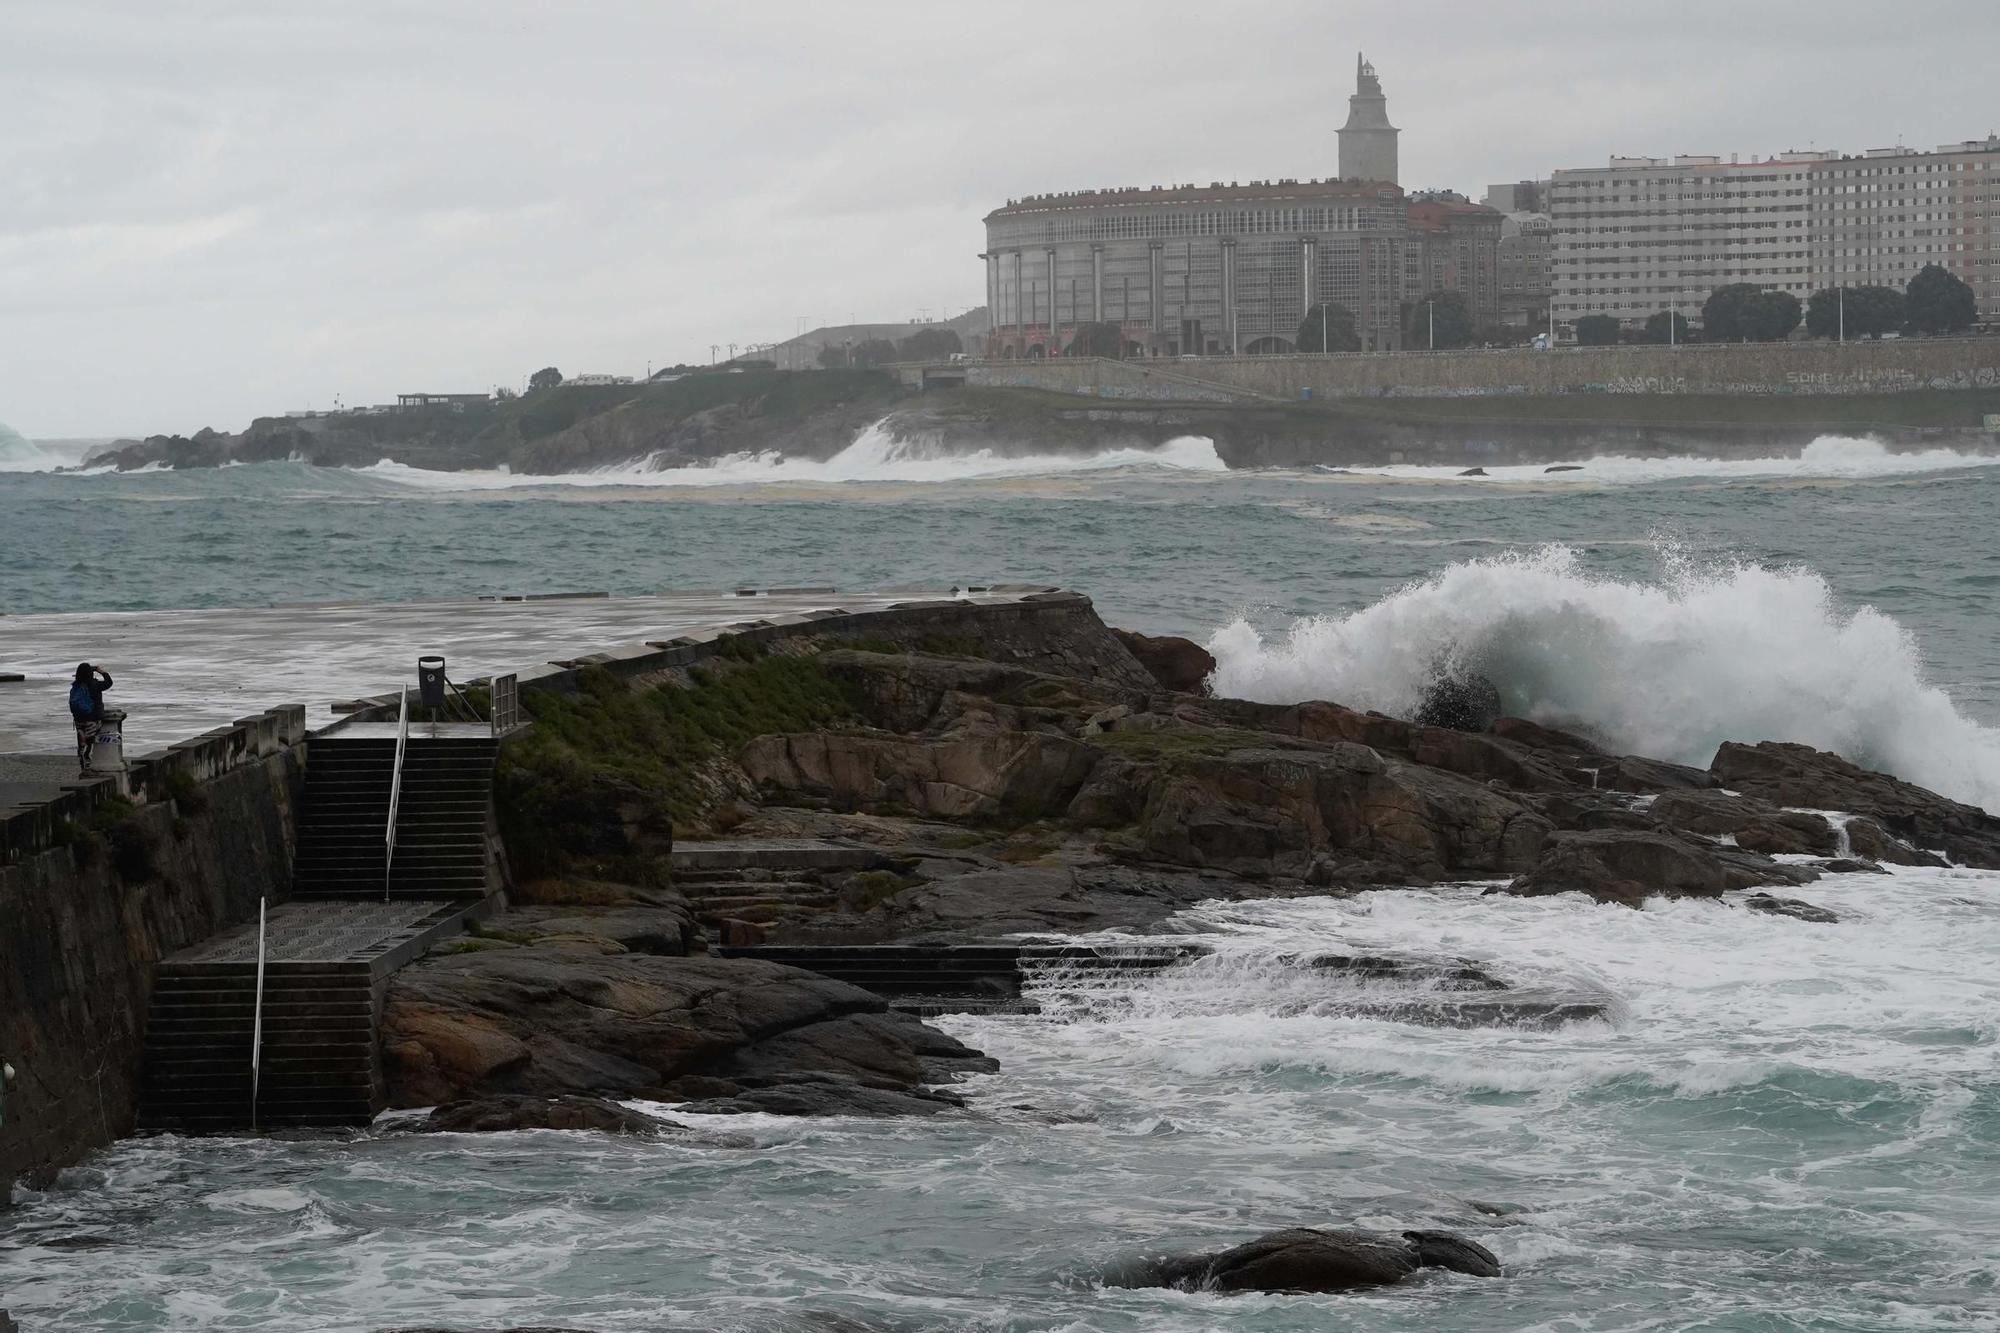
[
  {"x": 107, "y": 752},
  {"x": 430, "y": 681}
]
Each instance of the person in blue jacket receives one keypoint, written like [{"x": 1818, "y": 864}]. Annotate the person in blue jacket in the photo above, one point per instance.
[{"x": 86, "y": 709}]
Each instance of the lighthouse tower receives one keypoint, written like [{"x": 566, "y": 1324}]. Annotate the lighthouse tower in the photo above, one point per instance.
[{"x": 1368, "y": 140}]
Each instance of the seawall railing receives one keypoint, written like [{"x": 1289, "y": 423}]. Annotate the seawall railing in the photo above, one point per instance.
[{"x": 156, "y": 776}]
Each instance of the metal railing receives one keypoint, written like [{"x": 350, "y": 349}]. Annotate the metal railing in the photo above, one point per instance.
[
  {"x": 395, "y": 791},
  {"x": 505, "y": 705},
  {"x": 257, "y": 1022}
]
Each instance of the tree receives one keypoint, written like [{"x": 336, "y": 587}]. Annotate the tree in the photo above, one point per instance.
[
  {"x": 1870, "y": 312},
  {"x": 932, "y": 344},
  {"x": 1773, "y": 316},
  {"x": 874, "y": 352},
  {"x": 832, "y": 358},
  {"x": 1668, "y": 326},
  {"x": 1939, "y": 303},
  {"x": 548, "y": 377},
  {"x": 505, "y": 394},
  {"x": 1336, "y": 323},
  {"x": 1745, "y": 312},
  {"x": 1446, "y": 312},
  {"x": 1597, "y": 331},
  {"x": 1099, "y": 339}
]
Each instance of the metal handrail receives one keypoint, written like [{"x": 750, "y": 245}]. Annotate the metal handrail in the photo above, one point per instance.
[
  {"x": 505, "y": 706},
  {"x": 257, "y": 1023},
  {"x": 395, "y": 791}
]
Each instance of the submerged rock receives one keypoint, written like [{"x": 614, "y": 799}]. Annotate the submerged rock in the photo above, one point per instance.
[
  {"x": 1791, "y": 907},
  {"x": 487, "y": 1115},
  {"x": 829, "y": 1095},
  {"x": 1304, "y": 1259}
]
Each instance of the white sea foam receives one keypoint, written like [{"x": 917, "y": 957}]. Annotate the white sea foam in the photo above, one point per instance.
[
  {"x": 875, "y": 456},
  {"x": 1830, "y": 457},
  {"x": 1668, "y": 668}
]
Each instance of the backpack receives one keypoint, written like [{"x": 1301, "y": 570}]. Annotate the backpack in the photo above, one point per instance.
[{"x": 82, "y": 706}]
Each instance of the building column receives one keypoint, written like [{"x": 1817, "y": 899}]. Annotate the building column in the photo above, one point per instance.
[
  {"x": 1229, "y": 294},
  {"x": 1156, "y": 294},
  {"x": 992, "y": 260},
  {"x": 1097, "y": 283},
  {"x": 1308, "y": 262},
  {"x": 1055, "y": 339},
  {"x": 1020, "y": 294}
]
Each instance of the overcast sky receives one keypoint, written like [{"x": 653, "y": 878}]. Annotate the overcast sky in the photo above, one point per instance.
[{"x": 215, "y": 209}]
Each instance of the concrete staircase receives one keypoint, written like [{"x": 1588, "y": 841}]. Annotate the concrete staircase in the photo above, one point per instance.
[
  {"x": 326, "y": 967},
  {"x": 440, "y": 821},
  {"x": 318, "y": 1068},
  {"x": 736, "y": 904}
]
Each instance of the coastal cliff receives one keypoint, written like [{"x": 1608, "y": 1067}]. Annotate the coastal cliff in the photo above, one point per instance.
[{"x": 700, "y": 419}]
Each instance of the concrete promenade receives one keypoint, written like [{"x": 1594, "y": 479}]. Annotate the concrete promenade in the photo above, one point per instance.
[{"x": 180, "y": 673}]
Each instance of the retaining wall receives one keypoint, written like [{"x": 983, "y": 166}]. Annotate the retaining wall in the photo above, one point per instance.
[
  {"x": 83, "y": 921},
  {"x": 1734, "y": 370}
]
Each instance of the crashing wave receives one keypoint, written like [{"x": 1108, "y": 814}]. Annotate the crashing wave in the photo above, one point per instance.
[{"x": 1668, "y": 668}]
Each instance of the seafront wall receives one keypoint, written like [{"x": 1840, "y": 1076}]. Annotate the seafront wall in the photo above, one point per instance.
[
  {"x": 1728, "y": 370},
  {"x": 94, "y": 891}
]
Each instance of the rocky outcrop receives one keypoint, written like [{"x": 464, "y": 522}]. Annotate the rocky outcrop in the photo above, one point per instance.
[
  {"x": 1305, "y": 1259},
  {"x": 1629, "y": 865},
  {"x": 547, "y": 1021},
  {"x": 1755, "y": 825},
  {"x": 1798, "y": 775},
  {"x": 1180, "y": 665}
]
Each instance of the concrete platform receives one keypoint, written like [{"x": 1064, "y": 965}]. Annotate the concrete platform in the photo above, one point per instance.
[
  {"x": 180, "y": 673},
  {"x": 382, "y": 935}
]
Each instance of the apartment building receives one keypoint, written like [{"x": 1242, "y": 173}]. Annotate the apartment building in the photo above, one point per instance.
[
  {"x": 1649, "y": 234},
  {"x": 1880, "y": 217},
  {"x": 1646, "y": 234}
]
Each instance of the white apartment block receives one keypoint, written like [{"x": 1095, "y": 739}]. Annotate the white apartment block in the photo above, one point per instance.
[
  {"x": 1879, "y": 218},
  {"x": 1649, "y": 234}
]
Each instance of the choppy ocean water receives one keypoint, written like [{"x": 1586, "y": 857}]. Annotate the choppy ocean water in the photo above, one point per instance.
[{"x": 1782, "y": 1125}]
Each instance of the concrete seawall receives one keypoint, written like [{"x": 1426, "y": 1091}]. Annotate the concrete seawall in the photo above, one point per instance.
[{"x": 1729, "y": 370}]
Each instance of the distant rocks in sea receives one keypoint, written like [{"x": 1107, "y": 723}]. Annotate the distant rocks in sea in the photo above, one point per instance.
[{"x": 1564, "y": 467}]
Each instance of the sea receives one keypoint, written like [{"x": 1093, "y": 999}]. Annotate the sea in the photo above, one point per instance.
[{"x": 1774, "y": 1125}]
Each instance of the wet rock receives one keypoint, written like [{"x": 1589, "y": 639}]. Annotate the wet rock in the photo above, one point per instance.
[
  {"x": 1846, "y": 865},
  {"x": 825, "y": 1095},
  {"x": 1461, "y": 703},
  {"x": 1799, "y": 775},
  {"x": 547, "y": 1021},
  {"x": 1628, "y": 866},
  {"x": 664, "y": 930},
  {"x": 7, "y": 1325},
  {"x": 1309, "y": 1260},
  {"x": 1791, "y": 907},
  {"x": 1869, "y": 841},
  {"x": 1180, "y": 665},
  {"x": 1473, "y": 472},
  {"x": 1535, "y": 736},
  {"x": 1564, "y": 467},
  {"x": 485, "y": 1115},
  {"x": 1757, "y": 825}
]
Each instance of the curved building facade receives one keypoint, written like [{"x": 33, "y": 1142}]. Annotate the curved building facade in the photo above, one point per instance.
[
  {"x": 1216, "y": 270},
  {"x": 1227, "y": 270}
]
